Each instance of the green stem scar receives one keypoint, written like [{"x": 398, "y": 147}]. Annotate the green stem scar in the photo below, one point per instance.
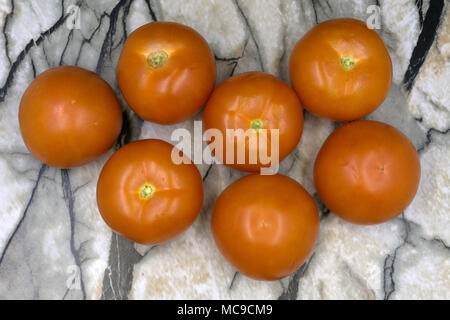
[
  {"x": 146, "y": 191},
  {"x": 256, "y": 124},
  {"x": 347, "y": 62},
  {"x": 157, "y": 59}
]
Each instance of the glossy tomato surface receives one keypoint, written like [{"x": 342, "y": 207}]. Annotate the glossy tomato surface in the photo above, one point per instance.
[
  {"x": 253, "y": 101},
  {"x": 367, "y": 172},
  {"x": 69, "y": 116},
  {"x": 341, "y": 70},
  {"x": 265, "y": 225},
  {"x": 144, "y": 196},
  {"x": 166, "y": 72}
]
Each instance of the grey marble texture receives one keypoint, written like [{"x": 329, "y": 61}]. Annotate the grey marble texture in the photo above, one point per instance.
[{"x": 53, "y": 242}]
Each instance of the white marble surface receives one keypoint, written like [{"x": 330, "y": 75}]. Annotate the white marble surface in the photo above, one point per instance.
[{"x": 53, "y": 243}]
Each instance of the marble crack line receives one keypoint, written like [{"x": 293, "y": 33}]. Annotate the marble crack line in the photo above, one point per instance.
[
  {"x": 88, "y": 40},
  {"x": 419, "y": 5},
  {"x": 15, "y": 65},
  {"x": 207, "y": 172},
  {"x": 388, "y": 270},
  {"x": 429, "y": 138},
  {"x": 69, "y": 199},
  {"x": 108, "y": 42},
  {"x": 438, "y": 241},
  {"x": 234, "y": 59},
  {"x": 237, "y": 61},
  {"x": 69, "y": 38},
  {"x": 291, "y": 292},
  {"x": 426, "y": 38},
  {"x": 250, "y": 31},
  {"x": 327, "y": 10},
  {"x": 150, "y": 10},
  {"x": 33, "y": 192},
  {"x": 389, "y": 261},
  {"x": 5, "y": 26},
  {"x": 233, "y": 279},
  {"x": 129, "y": 132},
  {"x": 126, "y": 11}
]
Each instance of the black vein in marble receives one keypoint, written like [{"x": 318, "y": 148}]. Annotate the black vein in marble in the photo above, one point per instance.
[
  {"x": 389, "y": 261},
  {"x": 15, "y": 65},
  {"x": 151, "y": 11},
  {"x": 321, "y": 207},
  {"x": 315, "y": 11},
  {"x": 233, "y": 279},
  {"x": 118, "y": 278},
  {"x": 424, "y": 43},
  {"x": 235, "y": 61},
  {"x": 207, "y": 172},
  {"x": 30, "y": 201},
  {"x": 429, "y": 137},
  {"x": 69, "y": 38},
  {"x": 69, "y": 199},
  {"x": 324, "y": 7},
  {"x": 291, "y": 292},
  {"x": 88, "y": 40},
  {"x": 107, "y": 45},
  {"x": 33, "y": 67},
  {"x": 251, "y": 33},
  {"x": 419, "y": 5},
  {"x": 5, "y": 27}
]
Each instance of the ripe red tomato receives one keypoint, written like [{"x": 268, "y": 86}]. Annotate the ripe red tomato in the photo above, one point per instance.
[
  {"x": 166, "y": 72},
  {"x": 144, "y": 196},
  {"x": 341, "y": 70},
  {"x": 367, "y": 172},
  {"x": 69, "y": 116},
  {"x": 265, "y": 226},
  {"x": 254, "y": 100}
]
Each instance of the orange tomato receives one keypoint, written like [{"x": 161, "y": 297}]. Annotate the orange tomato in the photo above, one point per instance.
[
  {"x": 254, "y": 100},
  {"x": 144, "y": 196},
  {"x": 367, "y": 172},
  {"x": 166, "y": 72},
  {"x": 265, "y": 226},
  {"x": 341, "y": 70},
  {"x": 69, "y": 116}
]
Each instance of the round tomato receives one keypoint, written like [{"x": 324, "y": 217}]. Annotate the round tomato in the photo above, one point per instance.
[
  {"x": 143, "y": 195},
  {"x": 265, "y": 225},
  {"x": 253, "y": 101},
  {"x": 69, "y": 116},
  {"x": 166, "y": 72},
  {"x": 341, "y": 70},
  {"x": 367, "y": 172}
]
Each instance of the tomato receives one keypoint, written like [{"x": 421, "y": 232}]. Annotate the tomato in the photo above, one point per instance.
[
  {"x": 166, "y": 72},
  {"x": 69, "y": 116},
  {"x": 367, "y": 172},
  {"x": 341, "y": 70},
  {"x": 144, "y": 196},
  {"x": 254, "y": 100},
  {"x": 265, "y": 225}
]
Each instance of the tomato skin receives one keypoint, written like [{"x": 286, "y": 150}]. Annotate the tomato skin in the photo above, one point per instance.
[
  {"x": 69, "y": 116},
  {"x": 179, "y": 88},
  {"x": 265, "y": 225},
  {"x": 172, "y": 208},
  {"x": 325, "y": 87},
  {"x": 255, "y": 95},
  {"x": 367, "y": 172}
]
